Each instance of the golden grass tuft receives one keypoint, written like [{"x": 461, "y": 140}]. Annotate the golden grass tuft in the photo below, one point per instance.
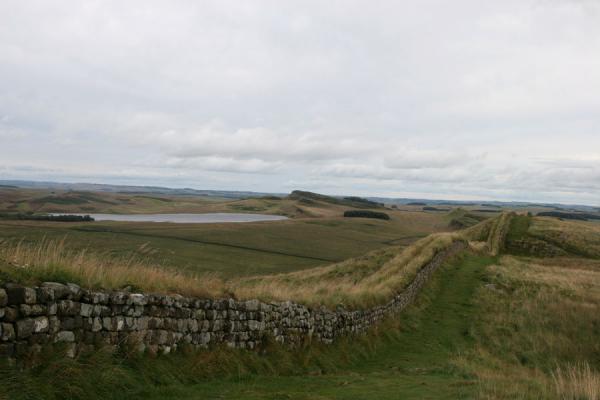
[
  {"x": 537, "y": 330},
  {"x": 359, "y": 282},
  {"x": 47, "y": 260},
  {"x": 578, "y": 237},
  {"x": 576, "y": 382},
  {"x": 363, "y": 281},
  {"x": 498, "y": 231}
]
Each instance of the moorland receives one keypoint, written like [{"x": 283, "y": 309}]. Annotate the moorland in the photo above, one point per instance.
[{"x": 516, "y": 316}]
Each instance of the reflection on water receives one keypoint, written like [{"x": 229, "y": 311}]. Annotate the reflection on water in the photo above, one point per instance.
[{"x": 186, "y": 218}]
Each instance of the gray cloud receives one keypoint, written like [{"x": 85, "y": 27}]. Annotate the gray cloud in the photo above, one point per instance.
[{"x": 445, "y": 99}]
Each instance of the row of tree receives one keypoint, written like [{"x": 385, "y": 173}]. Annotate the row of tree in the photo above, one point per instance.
[{"x": 46, "y": 217}]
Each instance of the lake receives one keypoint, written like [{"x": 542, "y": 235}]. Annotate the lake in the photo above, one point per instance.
[{"x": 207, "y": 218}]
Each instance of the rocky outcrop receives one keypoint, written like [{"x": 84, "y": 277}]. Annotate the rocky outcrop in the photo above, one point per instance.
[{"x": 34, "y": 317}]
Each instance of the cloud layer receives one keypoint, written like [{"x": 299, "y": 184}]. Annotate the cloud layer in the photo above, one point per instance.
[{"x": 463, "y": 99}]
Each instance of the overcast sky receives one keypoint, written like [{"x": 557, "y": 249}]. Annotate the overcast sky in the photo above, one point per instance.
[{"x": 438, "y": 99}]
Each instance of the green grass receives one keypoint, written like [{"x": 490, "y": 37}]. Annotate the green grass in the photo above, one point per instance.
[
  {"x": 539, "y": 319},
  {"x": 234, "y": 249},
  {"x": 409, "y": 357},
  {"x": 507, "y": 328}
]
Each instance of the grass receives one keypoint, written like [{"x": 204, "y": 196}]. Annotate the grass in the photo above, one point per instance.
[
  {"x": 52, "y": 261},
  {"x": 536, "y": 330},
  {"x": 498, "y": 232},
  {"x": 410, "y": 356},
  {"x": 504, "y": 327},
  {"x": 577, "y": 237},
  {"x": 237, "y": 249},
  {"x": 359, "y": 282}
]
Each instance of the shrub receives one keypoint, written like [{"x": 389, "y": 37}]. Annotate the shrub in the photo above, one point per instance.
[{"x": 366, "y": 214}]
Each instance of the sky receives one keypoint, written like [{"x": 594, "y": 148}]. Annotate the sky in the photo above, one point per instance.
[{"x": 490, "y": 100}]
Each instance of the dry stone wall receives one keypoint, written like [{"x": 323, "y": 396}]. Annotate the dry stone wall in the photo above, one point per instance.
[{"x": 34, "y": 317}]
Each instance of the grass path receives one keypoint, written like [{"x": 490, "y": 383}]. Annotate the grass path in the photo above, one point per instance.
[{"x": 412, "y": 364}]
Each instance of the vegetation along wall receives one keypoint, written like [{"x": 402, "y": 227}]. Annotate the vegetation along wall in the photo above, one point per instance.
[{"x": 34, "y": 317}]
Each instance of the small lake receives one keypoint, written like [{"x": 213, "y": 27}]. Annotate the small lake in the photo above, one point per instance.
[{"x": 207, "y": 218}]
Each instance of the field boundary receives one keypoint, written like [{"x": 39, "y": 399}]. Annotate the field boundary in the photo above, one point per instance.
[{"x": 32, "y": 318}]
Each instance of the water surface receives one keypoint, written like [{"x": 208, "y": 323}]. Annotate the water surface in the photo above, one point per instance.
[{"x": 206, "y": 218}]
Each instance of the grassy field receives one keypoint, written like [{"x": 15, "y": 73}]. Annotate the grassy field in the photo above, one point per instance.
[
  {"x": 543, "y": 236},
  {"x": 507, "y": 326},
  {"x": 411, "y": 357},
  {"x": 486, "y": 328},
  {"x": 235, "y": 249},
  {"x": 358, "y": 282}
]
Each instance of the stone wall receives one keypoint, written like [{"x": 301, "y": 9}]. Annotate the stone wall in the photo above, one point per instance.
[{"x": 33, "y": 317}]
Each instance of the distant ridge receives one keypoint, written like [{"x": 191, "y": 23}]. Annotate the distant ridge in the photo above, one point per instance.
[
  {"x": 350, "y": 201},
  {"x": 132, "y": 189},
  {"x": 232, "y": 194}
]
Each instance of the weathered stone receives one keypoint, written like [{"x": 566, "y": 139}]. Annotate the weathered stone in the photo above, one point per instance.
[
  {"x": 20, "y": 295},
  {"x": 119, "y": 323},
  {"x": 252, "y": 305},
  {"x": 39, "y": 338},
  {"x": 65, "y": 336},
  {"x": 41, "y": 325},
  {"x": 60, "y": 291},
  {"x": 24, "y": 328},
  {"x": 68, "y": 308},
  {"x": 119, "y": 298},
  {"x": 52, "y": 309},
  {"x": 107, "y": 323},
  {"x": 7, "y": 350},
  {"x": 86, "y": 310},
  {"x": 71, "y": 323},
  {"x": 138, "y": 299},
  {"x": 32, "y": 310},
  {"x": 75, "y": 291},
  {"x": 3, "y": 298},
  {"x": 2, "y": 312},
  {"x": 95, "y": 297},
  {"x": 96, "y": 324},
  {"x": 142, "y": 323},
  {"x": 44, "y": 294},
  {"x": 54, "y": 324},
  {"x": 254, "y": 325},
  {"x": 8, "y": 332},
  {"x": 160, "y": 337}
]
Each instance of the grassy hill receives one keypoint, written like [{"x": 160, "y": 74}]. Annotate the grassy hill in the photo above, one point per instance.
[
  {"x": 503, "y": 321},
  {"x": 353, "y": 201},
  {"x": 317, "y": 234}
]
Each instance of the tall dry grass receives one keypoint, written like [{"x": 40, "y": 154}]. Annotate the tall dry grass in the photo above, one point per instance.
[
  {"x": 537, "y": 330},
  {"x": 48, "y": 260},
  {"x": 576, "y": 382},
  {"x": 497, "y": 234},
  {"x": 358, "y": 282},
  {"x": 578, "y": 237}
]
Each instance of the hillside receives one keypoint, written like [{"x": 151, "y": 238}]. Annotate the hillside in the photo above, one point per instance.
[
  {"x": 492, "y": 326},
  {"x": 311, "y": 198}
]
